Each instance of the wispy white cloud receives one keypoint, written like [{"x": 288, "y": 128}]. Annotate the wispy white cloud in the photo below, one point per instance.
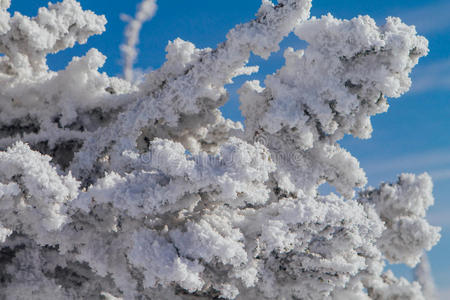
[
  {"x": 437, "y": 163},
  {"x": 428, "y": 19},
  {"x": 443, "y": 174},
  {"x": 440, "y": 218},
  {"x": 432, "y": 76},
  {"x": 444, "y": 294}
]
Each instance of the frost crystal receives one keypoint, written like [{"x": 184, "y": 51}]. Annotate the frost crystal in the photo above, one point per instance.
[{"x": 142, "y": 190}]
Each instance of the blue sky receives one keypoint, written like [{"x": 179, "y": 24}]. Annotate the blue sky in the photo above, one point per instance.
[{"x": 412, "y": 137}]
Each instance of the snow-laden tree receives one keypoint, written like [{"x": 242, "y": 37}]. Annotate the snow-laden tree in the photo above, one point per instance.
[{"x": 142, "y": 190}]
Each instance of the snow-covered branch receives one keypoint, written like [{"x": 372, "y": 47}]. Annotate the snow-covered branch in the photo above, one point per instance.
[{"x": 144, "y": 190}]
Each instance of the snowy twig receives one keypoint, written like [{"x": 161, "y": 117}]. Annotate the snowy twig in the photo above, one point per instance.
[{"x": 146, "y": 11}]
